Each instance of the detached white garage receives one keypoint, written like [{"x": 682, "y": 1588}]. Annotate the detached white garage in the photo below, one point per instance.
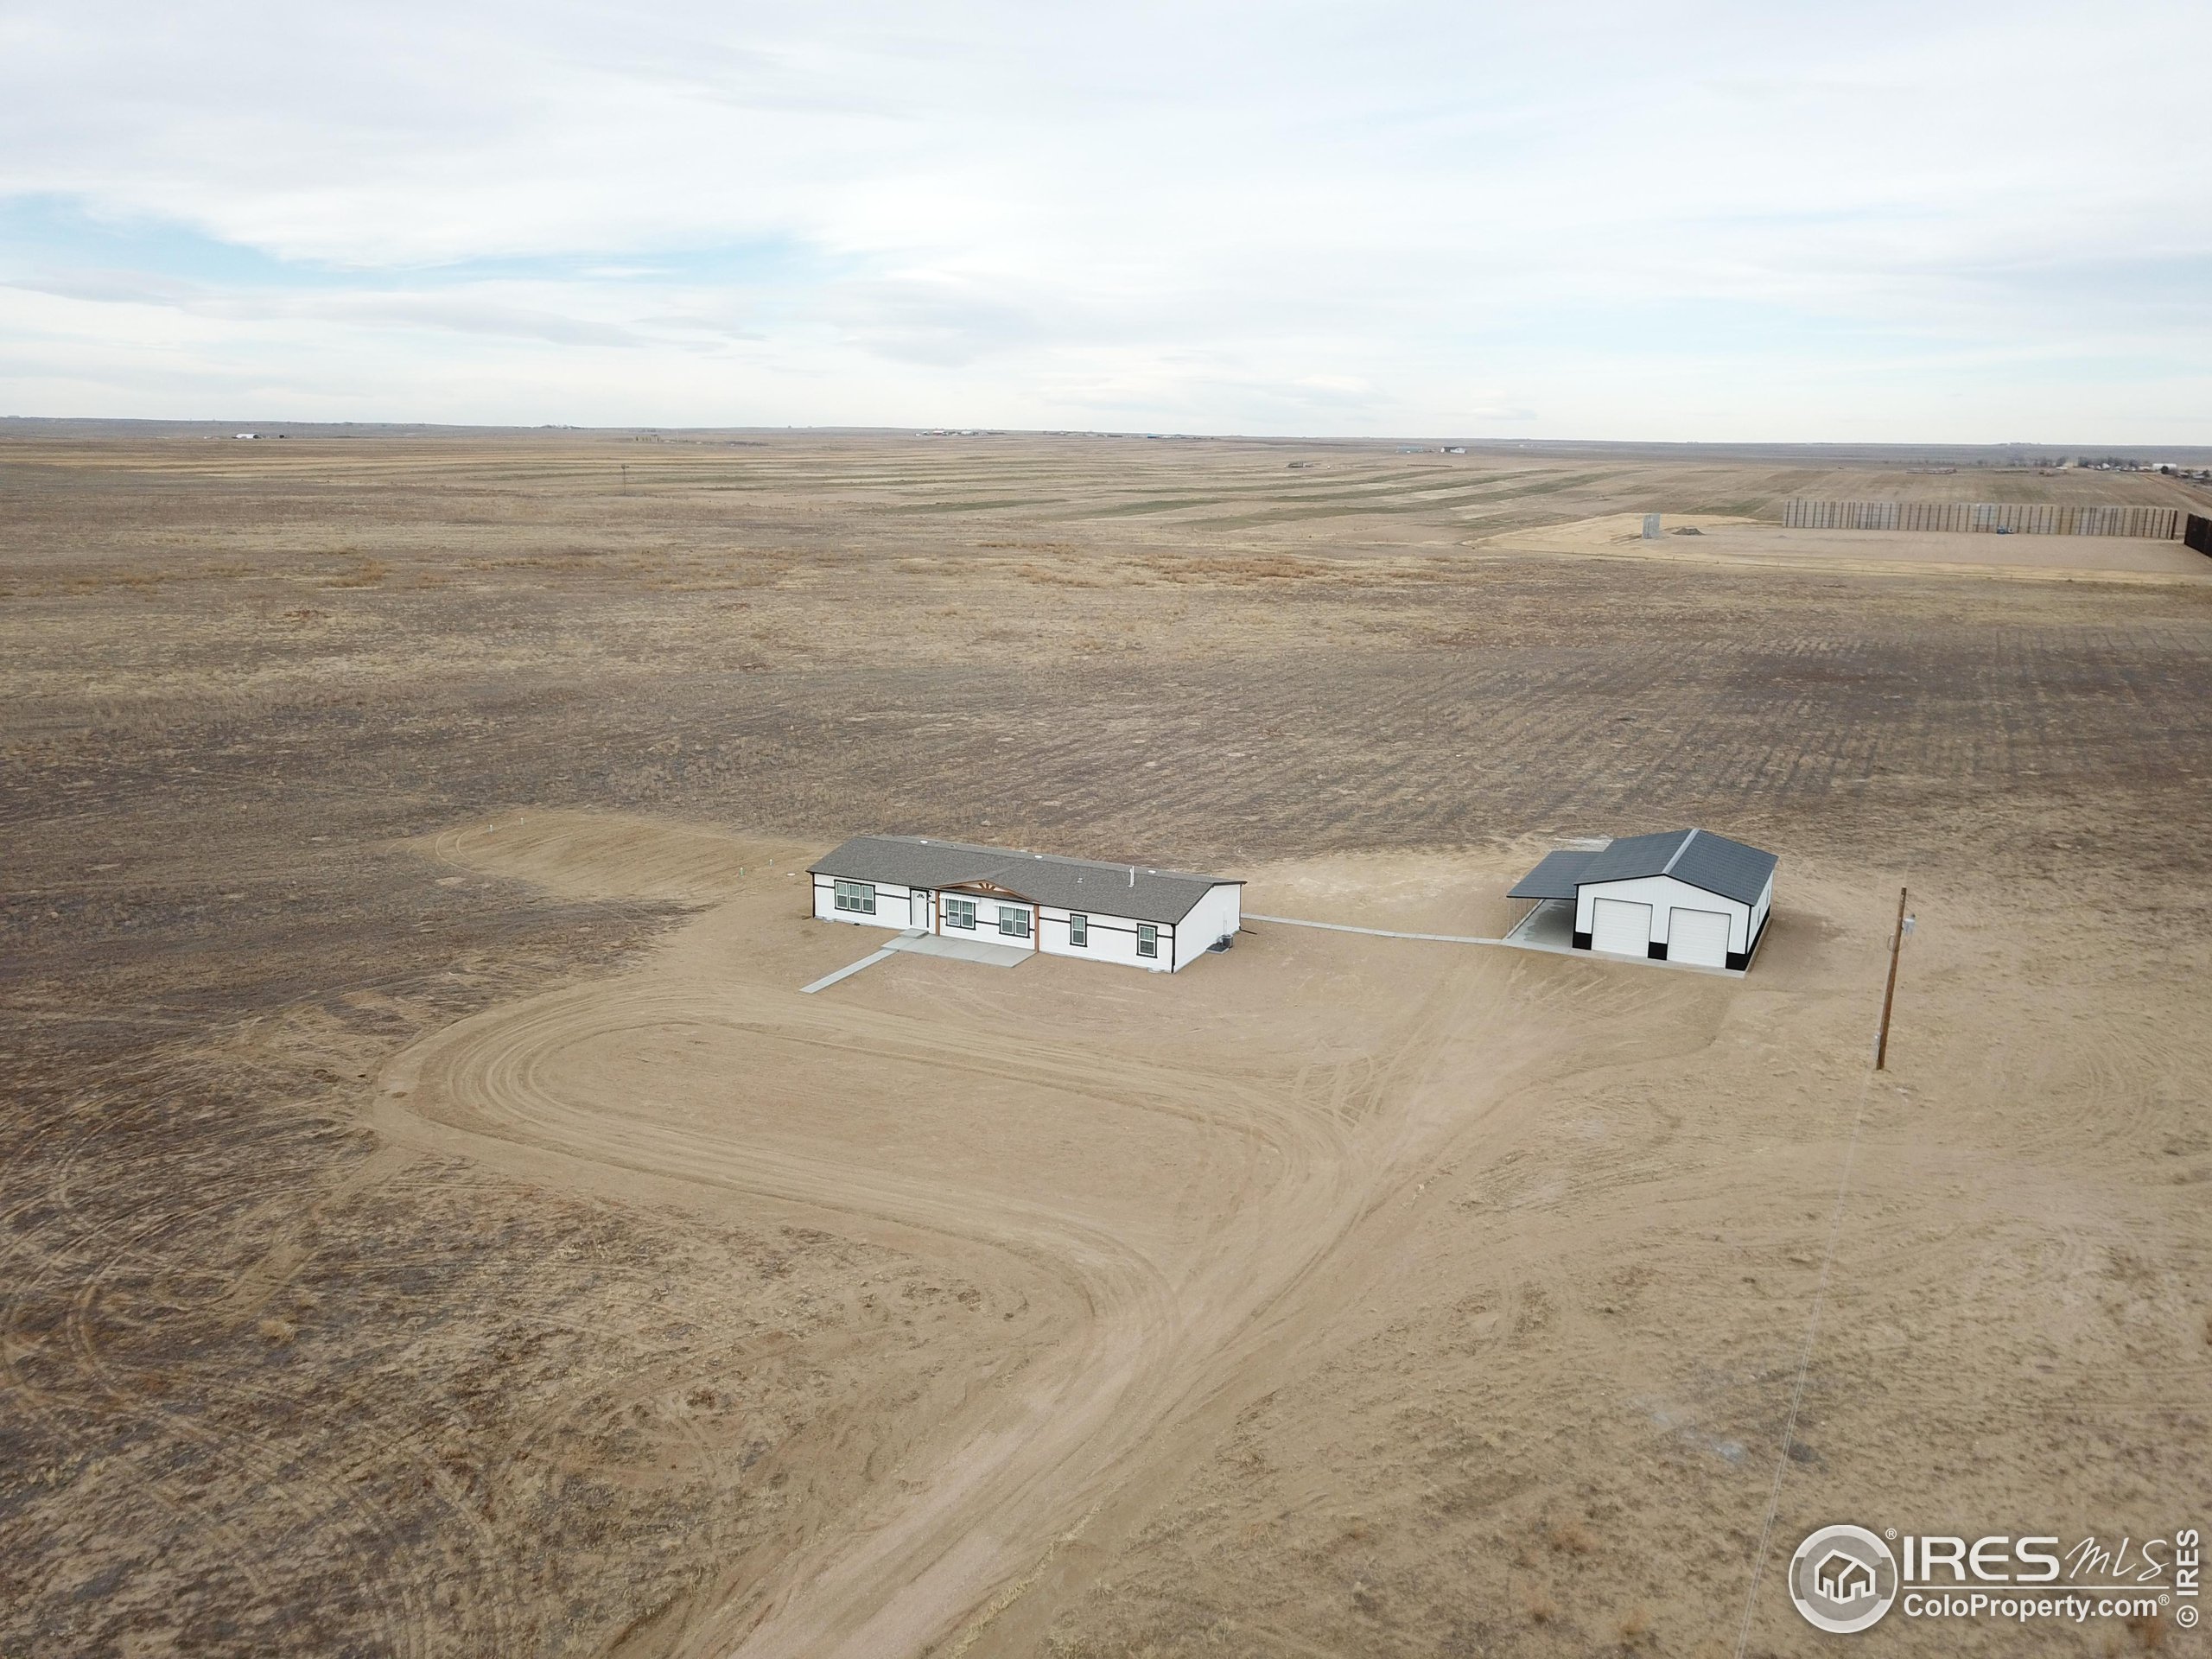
[{"x": 1687, "y": 896}]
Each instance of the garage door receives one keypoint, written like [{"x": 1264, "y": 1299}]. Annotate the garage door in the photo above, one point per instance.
[
  {"x": 1699, "y": 936},
  {"x": 1621, "y": 927}
]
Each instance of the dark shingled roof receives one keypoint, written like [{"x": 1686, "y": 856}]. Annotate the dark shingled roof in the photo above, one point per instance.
[
  {"x": 1553, "y": 879},
  {"x": 1163, "y": 896},
  {"x": 1697, "y": 856}
]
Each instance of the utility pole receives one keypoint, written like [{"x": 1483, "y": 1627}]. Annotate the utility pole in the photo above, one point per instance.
[{"x": 1889, "y": 996}]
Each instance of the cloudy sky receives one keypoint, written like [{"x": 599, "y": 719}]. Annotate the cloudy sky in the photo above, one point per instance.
[{"x": 1849, "y": 220}]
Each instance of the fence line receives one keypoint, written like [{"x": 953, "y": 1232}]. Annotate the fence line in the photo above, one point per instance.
[{"x": 2009, "y": 517}]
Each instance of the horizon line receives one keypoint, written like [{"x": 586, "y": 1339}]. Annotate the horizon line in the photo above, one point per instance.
[{"x": 1138, "y": 434}]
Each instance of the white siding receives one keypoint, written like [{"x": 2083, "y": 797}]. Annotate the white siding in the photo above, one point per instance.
[
  {"x": 987, "y": 930},
  {"x": 992, "y": 916},
  {"x": 1220, "y": 913},
  {"x": 893, "y": 907},
  {"x": 1113, "y": 938},
  {"x": 1663, "y": 893}
]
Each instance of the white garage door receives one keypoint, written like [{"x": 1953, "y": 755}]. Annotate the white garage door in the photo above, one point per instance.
[
  {"x": 1621, "y": 927},
  {"x": 1699, "y": 936}
]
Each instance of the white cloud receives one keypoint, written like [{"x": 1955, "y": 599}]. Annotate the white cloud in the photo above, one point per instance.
[{"x": 1858, "y": 221}]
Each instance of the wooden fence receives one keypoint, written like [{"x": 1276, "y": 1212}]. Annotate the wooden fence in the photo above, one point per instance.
[
  {"x": 2199, "y": 533},
  {"x": 2009, "y": 517}
]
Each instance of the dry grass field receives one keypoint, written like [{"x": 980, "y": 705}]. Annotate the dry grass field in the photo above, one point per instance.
[{"x": 434, "y": 1224}]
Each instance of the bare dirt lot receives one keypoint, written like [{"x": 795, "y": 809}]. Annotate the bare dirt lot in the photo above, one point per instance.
[{"x": 436, "y": 1224}]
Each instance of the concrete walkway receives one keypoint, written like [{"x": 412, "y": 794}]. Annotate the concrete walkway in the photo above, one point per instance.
[
  {"x": 1376, "y": 932},
  {"x": 847, "y": 971},
  {"x": 1509, "y": 942}
]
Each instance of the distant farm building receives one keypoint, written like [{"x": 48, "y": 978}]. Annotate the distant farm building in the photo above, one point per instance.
[
  {"x": 1164, "y": 920},
  {"x": 1686, "y": 896}
]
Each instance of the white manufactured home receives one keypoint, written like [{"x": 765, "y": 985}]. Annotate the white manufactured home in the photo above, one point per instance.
[
  {"x": 1142, "y": 918},
  {"x": 1687, "y": 896}
]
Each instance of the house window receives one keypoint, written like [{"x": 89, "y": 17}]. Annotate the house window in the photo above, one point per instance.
[
  {"x": 857, "y": 896},
  {"x": 1014, "y": 921},
  {"x": 1147, "y": 939},
  {"x": 1079, "y": 930},
  {"x": 960, "y": 912}
]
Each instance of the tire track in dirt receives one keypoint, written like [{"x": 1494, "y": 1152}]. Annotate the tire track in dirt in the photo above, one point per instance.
[
  {"x": 501, "y": 1078},
  {"x": 1413, "y": 1119},
  {"x": 100, "y": 1249},
  {"x": 79, "y": 1348},
  {"x": 1018, "y": 1465},
  {"x": 501, "y": 1075}
]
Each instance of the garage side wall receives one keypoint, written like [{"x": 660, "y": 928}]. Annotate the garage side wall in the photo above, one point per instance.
[{"x": 1759, "y": 913}]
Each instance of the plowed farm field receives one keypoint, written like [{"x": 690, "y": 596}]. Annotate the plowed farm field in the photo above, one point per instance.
[{"x": 437, "y": 1225}]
